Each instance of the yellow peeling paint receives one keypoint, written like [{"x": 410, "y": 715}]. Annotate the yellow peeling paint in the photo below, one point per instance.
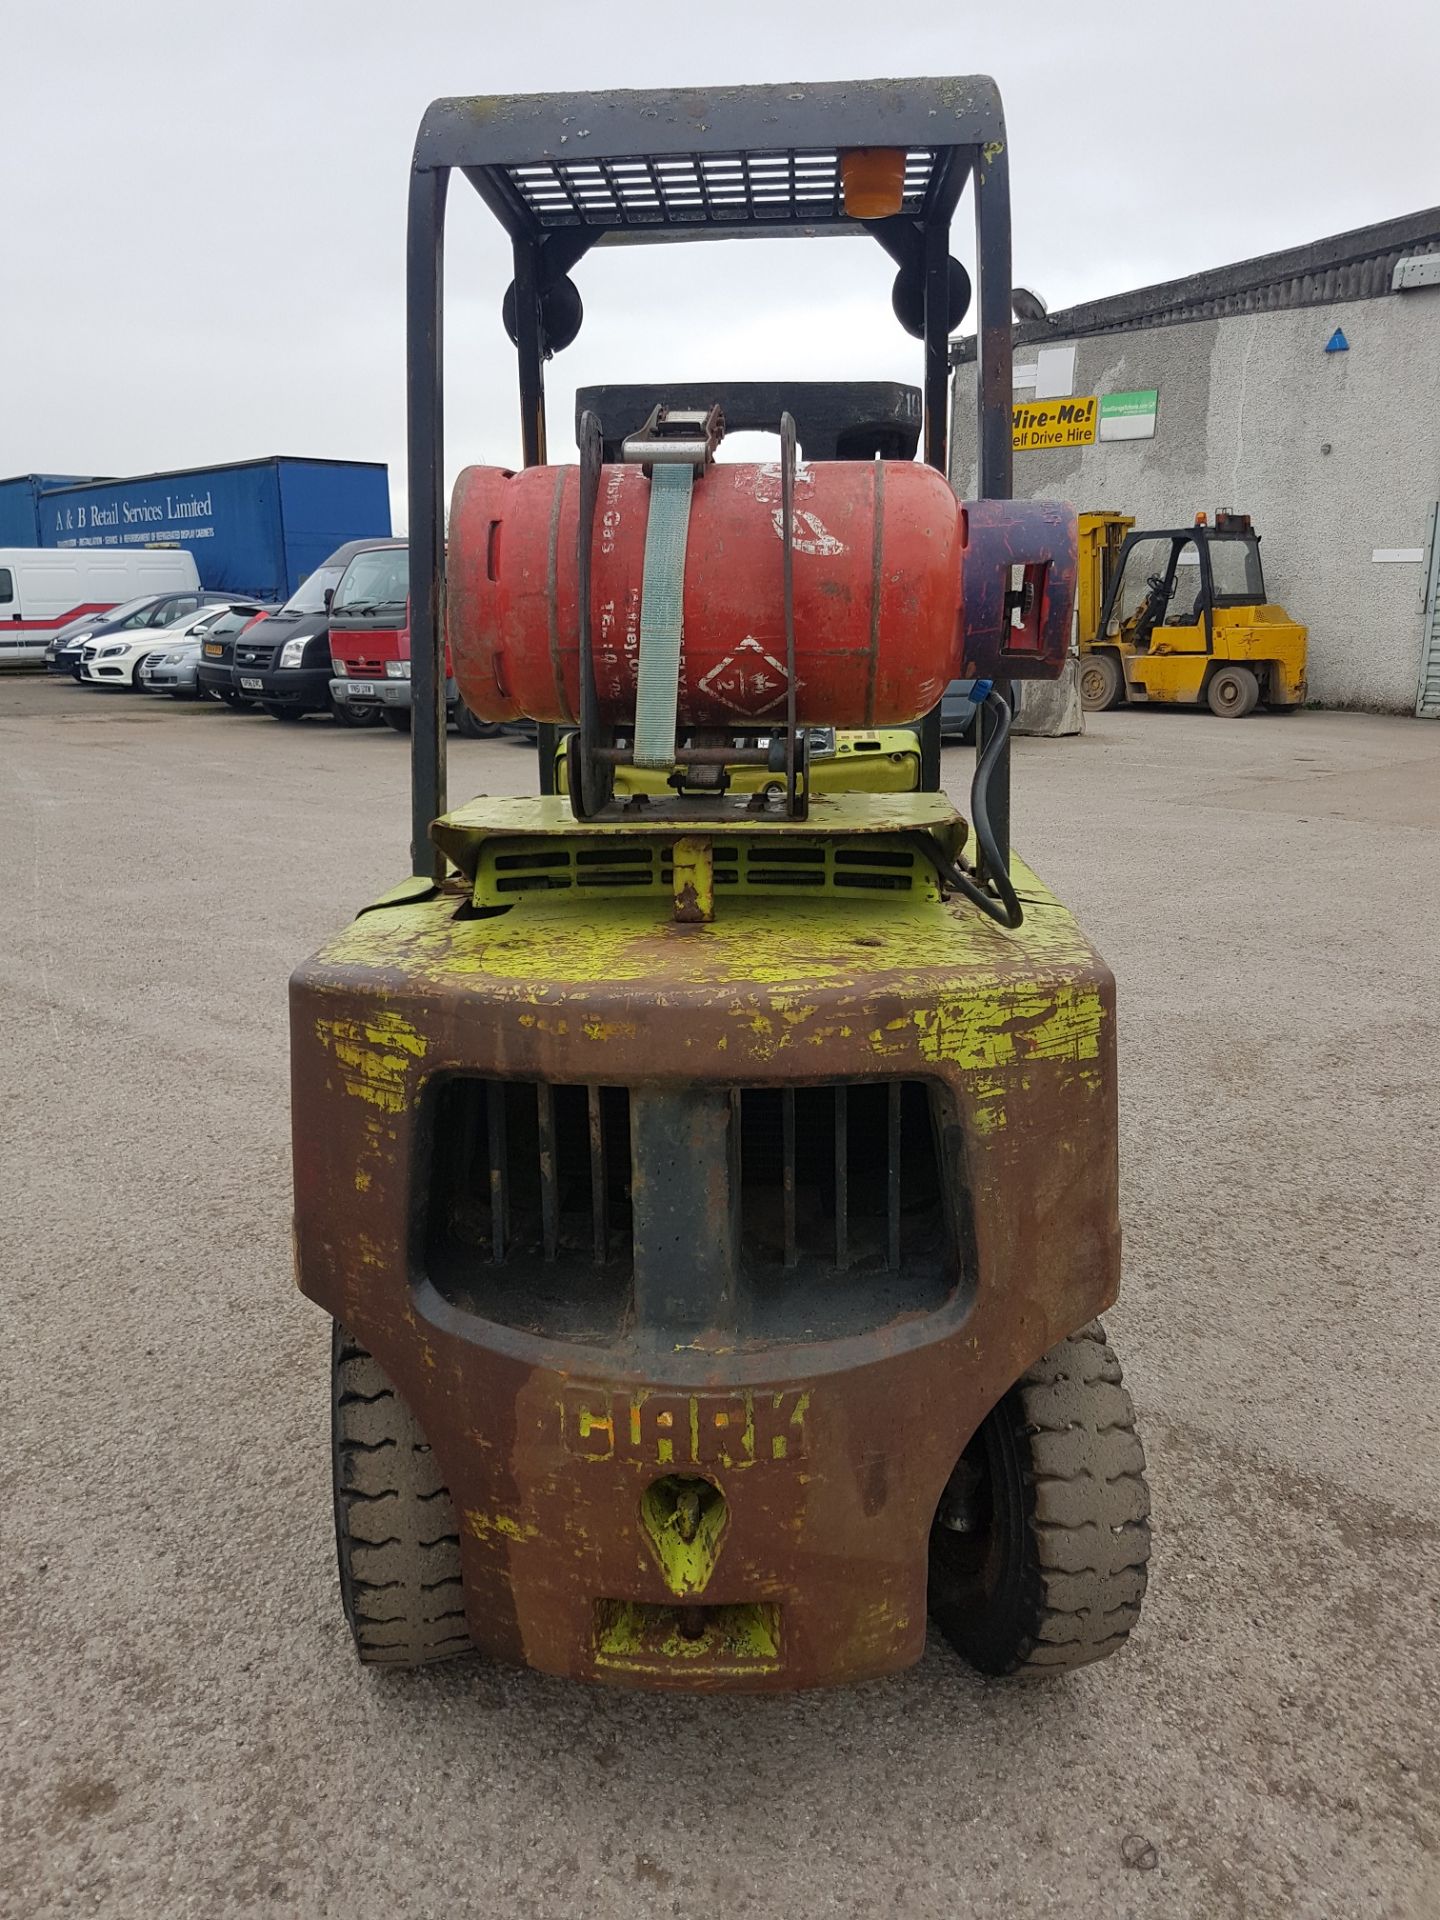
[
  {"x": 694, "y": 881},
  {"x": 609, "y": 1029},
  {"x": 921, "y": 981},
  {"x": 483, "y": 1525},
  {"x": 374, "y": 1056},
  {"x": 987, "y": 1109},
  {"x": 732, "y": 1639},
  {"x": 982, "y": 1031},
  {"x": 541, "y": 1025},
  {"x": 683, "y": 1521}
]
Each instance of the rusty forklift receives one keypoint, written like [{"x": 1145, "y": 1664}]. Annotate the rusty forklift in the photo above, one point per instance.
[{"x": 714, "y": 1185}]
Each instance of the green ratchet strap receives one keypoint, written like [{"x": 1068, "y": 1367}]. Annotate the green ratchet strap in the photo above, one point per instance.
[{"x": 662, "y": 609}]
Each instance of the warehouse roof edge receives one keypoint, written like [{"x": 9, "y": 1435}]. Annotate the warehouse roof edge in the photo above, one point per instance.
[{"x": 1357, "y": 265}]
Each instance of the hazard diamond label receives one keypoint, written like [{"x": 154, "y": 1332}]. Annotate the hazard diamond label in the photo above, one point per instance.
[{"x": 749, "y": 680}]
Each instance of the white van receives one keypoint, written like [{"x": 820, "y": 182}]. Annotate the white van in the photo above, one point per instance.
[{"x": 41, "y": 589}]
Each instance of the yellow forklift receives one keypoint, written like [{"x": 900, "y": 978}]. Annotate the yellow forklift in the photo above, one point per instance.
[
  {"x": 713, "y": 1179},
  {"x": 1180, "y": 618}
]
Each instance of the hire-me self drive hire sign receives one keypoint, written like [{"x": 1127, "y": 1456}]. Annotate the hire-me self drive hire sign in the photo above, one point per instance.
[
  {"x": 1056, "y": 423},
  {"x": 1080, "y": 420}
]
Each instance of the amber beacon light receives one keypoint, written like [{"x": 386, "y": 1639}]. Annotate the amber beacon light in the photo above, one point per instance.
[{"x": 874, "y": 181}]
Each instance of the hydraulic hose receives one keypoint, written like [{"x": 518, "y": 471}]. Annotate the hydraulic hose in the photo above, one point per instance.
[{"x": 1006, "y": 909}]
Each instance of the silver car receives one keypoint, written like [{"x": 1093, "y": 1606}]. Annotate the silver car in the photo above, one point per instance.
[
  {"x": 175, "y": 671},
  {"x": 173, "y": 668}
]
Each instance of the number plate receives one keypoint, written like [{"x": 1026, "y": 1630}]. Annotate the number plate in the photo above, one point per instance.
[
  {"x": 360, "y": 689},
  {"x": 251, "y": 686},
  {"x": 213, "y": 649}
]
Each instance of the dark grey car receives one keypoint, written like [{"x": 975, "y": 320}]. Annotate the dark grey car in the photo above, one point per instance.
[{"x": 284, "y": 664}]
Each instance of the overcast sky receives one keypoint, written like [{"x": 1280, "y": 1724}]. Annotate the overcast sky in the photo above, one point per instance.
[{"x": 205, "y": 205}]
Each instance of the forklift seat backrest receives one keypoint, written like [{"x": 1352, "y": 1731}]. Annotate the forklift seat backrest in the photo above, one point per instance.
[{"x": 834, "y": 419}]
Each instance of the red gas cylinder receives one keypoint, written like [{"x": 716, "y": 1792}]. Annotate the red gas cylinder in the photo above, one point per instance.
[{"x": 880, "y": 577}]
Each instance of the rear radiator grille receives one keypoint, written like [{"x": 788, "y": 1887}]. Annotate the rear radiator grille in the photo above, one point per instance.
[{"x": 838, "y": 1188}]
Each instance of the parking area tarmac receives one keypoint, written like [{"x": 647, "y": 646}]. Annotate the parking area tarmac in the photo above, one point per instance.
[{"x": 185, "y": 1729}]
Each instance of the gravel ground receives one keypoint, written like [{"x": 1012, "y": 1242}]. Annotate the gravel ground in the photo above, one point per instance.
[{"x": 186, "y": 1732}]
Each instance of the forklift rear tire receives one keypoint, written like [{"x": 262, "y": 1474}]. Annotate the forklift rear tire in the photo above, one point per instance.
[
  {"x": 395, "y": 1531},
  {"x": 398, "y": 719},
  {"x": 1039, "y": 1546},
  {"x": 1233, "y": 692},
  {"x": 1101, "y": 682}
]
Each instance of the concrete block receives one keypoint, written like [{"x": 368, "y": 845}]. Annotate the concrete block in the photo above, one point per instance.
[{"x": 1051, "y": 706}]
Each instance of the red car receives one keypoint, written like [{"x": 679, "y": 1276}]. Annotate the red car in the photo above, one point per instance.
[{"x": 370, "y": 642}]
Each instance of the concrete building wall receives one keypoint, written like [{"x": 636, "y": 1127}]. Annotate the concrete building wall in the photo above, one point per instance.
[{"x": 1332, "y": 454}]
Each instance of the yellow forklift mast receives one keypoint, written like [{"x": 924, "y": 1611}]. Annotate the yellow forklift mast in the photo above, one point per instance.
[{"x": 1180, "y": 617}]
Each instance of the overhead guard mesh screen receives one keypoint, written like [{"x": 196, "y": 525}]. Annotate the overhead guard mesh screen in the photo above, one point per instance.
[{"x": 783, "y": 188}]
